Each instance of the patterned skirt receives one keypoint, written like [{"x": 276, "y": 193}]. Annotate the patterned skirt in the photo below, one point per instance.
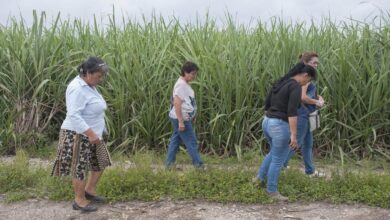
[{"x": 76, "y": 156}]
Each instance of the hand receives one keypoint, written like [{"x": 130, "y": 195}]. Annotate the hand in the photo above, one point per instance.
[
  {"x": 181, "y": 126},
  {"x": 320, "y": 102},
  {"x": 293, "y": 142},
  {"x": 94, "y": 139}
]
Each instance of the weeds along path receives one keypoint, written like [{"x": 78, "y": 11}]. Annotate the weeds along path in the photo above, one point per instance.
[
  {"x": 167, "y": 208},
  {"x": 182, "y": 210},
  {"x": 327, "y": 169}
]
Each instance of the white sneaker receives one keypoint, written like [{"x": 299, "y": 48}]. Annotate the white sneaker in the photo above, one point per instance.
[
  {"x": 277, "y": 196},
  {"x": 317, "y": 174}
]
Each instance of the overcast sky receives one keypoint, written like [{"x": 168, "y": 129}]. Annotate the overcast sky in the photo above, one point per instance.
[{"x": 244, "y": 11}]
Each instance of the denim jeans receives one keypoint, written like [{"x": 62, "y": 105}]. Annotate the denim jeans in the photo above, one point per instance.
[
  {"x": 187, "y": 137},
  {"x": 305, "y": 142},
  {"x": 277, "y": 133}
]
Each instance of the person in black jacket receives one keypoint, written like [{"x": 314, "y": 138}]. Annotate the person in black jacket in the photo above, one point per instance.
[{"x": 280, "y": 124}]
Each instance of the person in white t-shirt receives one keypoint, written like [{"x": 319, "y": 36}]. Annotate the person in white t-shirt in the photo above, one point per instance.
[{"x": 182, "y": 114}]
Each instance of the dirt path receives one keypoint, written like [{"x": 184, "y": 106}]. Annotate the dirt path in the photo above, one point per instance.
[{"x": 185, "y": 210}]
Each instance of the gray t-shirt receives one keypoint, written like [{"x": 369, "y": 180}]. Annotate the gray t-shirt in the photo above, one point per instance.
[{"x": 188, "y": 107}]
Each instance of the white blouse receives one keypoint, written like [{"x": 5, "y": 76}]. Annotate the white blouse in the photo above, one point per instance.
[{"x": 85, "y": 108}]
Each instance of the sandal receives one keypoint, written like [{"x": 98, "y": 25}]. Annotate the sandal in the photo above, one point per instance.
[{"x": 96, "y": 199}]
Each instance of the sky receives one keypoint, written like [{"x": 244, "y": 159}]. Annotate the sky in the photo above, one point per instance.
[{"x": 244, "y": 11}]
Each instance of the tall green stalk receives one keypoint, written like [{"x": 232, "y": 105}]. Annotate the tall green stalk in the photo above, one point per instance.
[{"x": 237, "y": 66}]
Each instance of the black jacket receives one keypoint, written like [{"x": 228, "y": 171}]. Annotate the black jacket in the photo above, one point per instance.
[{"x": 284, "y": 99}]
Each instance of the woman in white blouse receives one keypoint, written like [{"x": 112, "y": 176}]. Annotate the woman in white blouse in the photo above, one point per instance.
[{"x": 81, "y": 147}]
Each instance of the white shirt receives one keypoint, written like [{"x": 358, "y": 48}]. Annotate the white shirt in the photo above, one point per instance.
[
  {"x": 188, "y": 107},
  {"x": 85, "y": 108}
]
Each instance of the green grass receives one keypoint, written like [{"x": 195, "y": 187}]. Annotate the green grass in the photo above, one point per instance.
[{"x": 221, "y": 182}]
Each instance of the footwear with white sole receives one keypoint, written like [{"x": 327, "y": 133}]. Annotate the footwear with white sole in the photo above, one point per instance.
[
  {"x": 317, "y": 174},
  {"x": 277, "y": 196}
]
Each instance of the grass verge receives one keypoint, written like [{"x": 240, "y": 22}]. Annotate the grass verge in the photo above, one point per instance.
[{"x": 19, "y": 181}]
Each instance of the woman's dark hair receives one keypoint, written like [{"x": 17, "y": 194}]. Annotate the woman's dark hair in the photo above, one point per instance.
[
  {"x": 92, "y": 65},
  {"x": 310, "y": 71},
  {"x": 297, "y": 69},
  {"x": 188, "y": 67}
]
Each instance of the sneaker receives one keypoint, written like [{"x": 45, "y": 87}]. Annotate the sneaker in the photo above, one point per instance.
[
  {"x": 316, "y": 174},
  {"x": 170, "y": 167},
  {"x": 201, "y": 167},
  {"x": 277, "y": 196},
  {"x": 257, "y": 182}
]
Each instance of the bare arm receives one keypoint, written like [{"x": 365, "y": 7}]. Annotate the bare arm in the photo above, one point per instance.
[
  {"x": 293, "y": 121},
  {"x": 307, "y": 100},
  {"x": 92, "y": 137},
  {"x": 177, "y": 104}
]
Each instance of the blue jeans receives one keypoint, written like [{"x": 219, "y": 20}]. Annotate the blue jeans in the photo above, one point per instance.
[
  {"x": 187, "y": 137},
  {"x": 305, "y": 142},
  {"x": 277, "y": 133}
]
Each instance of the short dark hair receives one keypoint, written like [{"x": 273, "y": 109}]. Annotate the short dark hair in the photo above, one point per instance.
[
  {"x": 92, "y": 65},
  {"x": 189, "y": 67}
]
